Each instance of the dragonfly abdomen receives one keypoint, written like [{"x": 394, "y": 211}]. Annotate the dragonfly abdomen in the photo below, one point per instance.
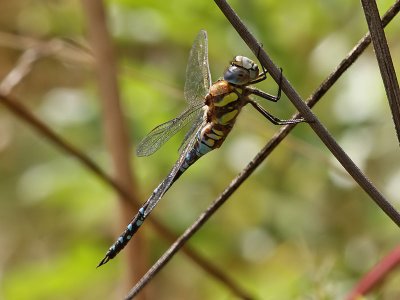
[{"x": 125, "y": 237}]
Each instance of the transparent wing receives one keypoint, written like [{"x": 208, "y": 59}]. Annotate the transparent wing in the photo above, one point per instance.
[
  {"x": 198, "y": 78},
  {"x": 197, "y": 85},
  {"x": 162, "y": 133},
  {"x": 192, "y": 131}
]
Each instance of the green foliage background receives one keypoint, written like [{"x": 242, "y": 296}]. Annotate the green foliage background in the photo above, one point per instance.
[{"x": 298, "y": 229}]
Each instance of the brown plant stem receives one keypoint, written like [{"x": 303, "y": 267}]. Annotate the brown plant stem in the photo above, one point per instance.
[
  {"x": 115, "y": 130},
  {"x": 384, "y": 58}
]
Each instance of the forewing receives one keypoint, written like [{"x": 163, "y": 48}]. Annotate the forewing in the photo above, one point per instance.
[
  {"x": 163, "y": 132},
  {"x": 198, "y": 78},
  {"x": 197, "y": 85}
]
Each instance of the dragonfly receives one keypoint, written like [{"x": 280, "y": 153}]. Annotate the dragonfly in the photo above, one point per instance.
[{"x": 212, "y": 109}]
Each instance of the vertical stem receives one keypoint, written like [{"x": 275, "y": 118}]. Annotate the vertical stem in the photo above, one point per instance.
[
  {"x": 384, "y": 60},
  {"x": 115, "y": 130}
]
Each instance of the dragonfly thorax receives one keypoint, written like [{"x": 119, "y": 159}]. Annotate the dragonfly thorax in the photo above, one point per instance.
[{"x": 241, "y": 71}]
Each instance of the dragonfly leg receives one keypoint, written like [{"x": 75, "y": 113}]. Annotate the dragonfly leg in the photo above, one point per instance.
[
  {"x": 265, "y": 95},
  {"x": 272, "y": 118},
  {"x": 263, "y": 75}
]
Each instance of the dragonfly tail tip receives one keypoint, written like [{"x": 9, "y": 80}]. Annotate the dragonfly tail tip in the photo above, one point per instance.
[{"x": 103, "y": 261}]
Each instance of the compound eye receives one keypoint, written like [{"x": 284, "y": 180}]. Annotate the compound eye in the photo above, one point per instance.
[{"x": 237, "y": 75}]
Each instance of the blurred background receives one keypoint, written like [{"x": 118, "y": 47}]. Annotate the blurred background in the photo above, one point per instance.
[{"x": 299, "y": 228}]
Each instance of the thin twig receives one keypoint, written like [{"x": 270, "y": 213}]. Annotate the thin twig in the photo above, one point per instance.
[
  {"x": 33, "y": 51},
  {"x": 24, "y": 65},
  {"x": 376, "y": 275},
  {"x": 350, "y": 58},
  {"x": 260, "y": 157},
  {"x": 21, "y": 69},
  {"x": 24, "y": 114},
  {"x": 384, "y": 58},
  {"x": 65, "y": 50}
]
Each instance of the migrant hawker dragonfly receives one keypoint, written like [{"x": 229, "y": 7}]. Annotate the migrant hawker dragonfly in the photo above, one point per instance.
[{"x": 212, "y": 110}]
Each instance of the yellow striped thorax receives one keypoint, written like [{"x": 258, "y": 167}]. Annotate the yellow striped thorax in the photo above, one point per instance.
[
  {"x": 227, "y": 117},
  {"x": 225, "y": 103},
  {"x": 229, "y": 98}
]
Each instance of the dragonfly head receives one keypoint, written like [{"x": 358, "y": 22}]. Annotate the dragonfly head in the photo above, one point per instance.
[{"x": 241, "y": 71}]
